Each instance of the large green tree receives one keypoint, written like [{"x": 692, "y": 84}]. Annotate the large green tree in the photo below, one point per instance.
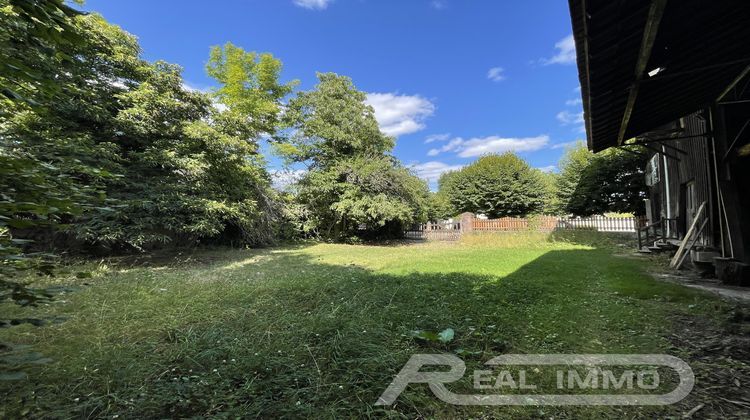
[
  {"x": 609, "y": 181},
  {"x": 353, "y": 185},
  {"x": 152, "y": 161},
  {"x": 330, "y": 123},
  {"x": 575, "y": 160},
  {"x": 496, "y": 185}
]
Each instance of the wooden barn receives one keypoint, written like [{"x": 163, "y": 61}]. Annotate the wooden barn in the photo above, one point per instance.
[{"x": 673, "y": 77}]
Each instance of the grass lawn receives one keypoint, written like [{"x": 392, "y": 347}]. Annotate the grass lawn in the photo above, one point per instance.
[{"x": 320, "y": 330}]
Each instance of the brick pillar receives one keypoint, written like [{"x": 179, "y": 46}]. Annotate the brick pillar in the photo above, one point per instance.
[{"x": 467, "y": 222}]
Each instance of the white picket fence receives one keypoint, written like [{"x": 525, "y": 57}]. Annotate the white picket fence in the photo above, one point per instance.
[{"x": 600, "y": 223}]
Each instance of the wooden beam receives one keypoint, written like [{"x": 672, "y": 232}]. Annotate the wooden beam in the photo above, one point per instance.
[
  {"x": 633, "y": 152},
  {"x": 586, "y": 91},
  {"x": 644, "y": 140},
  {"x": 655, "y": 13},
  {"x": 673, "y": 148},
  {"x": 731, "y": 86},
  {"x": 661, "y": 152}
]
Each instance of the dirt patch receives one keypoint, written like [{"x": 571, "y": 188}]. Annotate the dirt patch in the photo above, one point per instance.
[{"x": 720, "y": 358}]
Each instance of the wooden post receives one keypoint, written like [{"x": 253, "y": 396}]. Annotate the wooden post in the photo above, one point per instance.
[
  {"x": 640, "y": 245},
  {"x": 467, "y": 222},
  {"x": 664, "y": 230}
]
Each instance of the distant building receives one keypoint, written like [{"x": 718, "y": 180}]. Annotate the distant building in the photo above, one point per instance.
[{"x": 673, "y": 76}]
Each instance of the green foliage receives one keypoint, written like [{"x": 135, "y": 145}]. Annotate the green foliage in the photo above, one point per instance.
[
  {"x": 496, "y": 185},
  {"x": 365, "y": 197},
  {"x": 573, "y": 163},
  {"x": 34, "y": 36},
  {"x": 549, "y": 182},
  {"x": 610, "y": 181},
  {"x": 439, "y": 206},
  {"x": 38, "y": 40},
  {"x": 353, "y": 186},
  {"x": 249, "y": 88},
  {"x": 147, "y": 161},
  {"x": 330, "y": 123}
]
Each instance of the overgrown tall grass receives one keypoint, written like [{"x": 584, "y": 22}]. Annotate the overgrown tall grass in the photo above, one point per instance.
[{"x": 320, "y": 330}]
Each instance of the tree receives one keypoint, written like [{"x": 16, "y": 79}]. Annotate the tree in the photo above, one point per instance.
[
  {"x": 610, "y": 181},
  {"x": 191, "y": 170},
  {"x": 440, "y": 207},
  {"x": 573, "y": 163},
  {"x": 156, "y": 163},
  {"x": 550, "y": 182},
  {"x": 613, "y": 182},
  {"x": 249, "y": 88},
  {"x": 332, "y": 122},
  {"x": 353, "y": 185},
  {"x": 362, "y": 197},
  {"x": 495, "y": 185}
]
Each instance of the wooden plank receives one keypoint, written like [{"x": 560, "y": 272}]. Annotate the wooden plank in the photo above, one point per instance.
[
  {"x": 731, "y": 86},
  {"x": 688, "y": 235},
  {"x": 692, "y": 244}
]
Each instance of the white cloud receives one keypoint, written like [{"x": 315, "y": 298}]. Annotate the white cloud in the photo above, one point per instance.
[
  {"x": 567, "y": 117},
  {"x": 496, "y": 74},
  {"x": 400, "y": 114},
  {"x": 439, "y": 4},
  {"x": 282, "y": 178},
  {"x": 313, "y": 4},
  {"x": 493, "y": 144},
  {"x": 550, "y": 168},
  {"x": 191, "y": 88},
  {"x": 572, "y": 118},
  {"x": 566, "y": 52},
  {"x": 431, "y": 171},
  {"x": 574, "y": 102},
  {"x": 566, "y": 144},
  {"x": 437, "y": 137}
]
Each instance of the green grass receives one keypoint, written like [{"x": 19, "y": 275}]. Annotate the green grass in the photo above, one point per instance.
[{"x": 320, "y": 330}]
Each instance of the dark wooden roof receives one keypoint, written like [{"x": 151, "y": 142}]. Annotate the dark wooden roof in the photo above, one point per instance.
[{"x": 703, "y": 46}]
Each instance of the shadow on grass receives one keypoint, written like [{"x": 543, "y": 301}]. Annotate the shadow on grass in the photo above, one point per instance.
[{"x": 287, "y": 335}]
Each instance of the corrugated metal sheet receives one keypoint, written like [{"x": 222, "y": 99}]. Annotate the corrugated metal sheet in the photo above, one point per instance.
[{"x": 693, "y": 166}]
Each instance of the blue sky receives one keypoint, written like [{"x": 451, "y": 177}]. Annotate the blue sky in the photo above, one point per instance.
[{"x": 451, "y": 79}]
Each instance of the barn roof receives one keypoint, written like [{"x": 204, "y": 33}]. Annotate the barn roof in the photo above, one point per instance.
[{"x": 701, "y": 46}]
